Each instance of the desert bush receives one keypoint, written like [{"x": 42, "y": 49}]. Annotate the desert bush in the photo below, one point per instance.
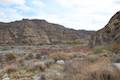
[
  {"x": 10, "y": 68},
  {"x": 115, "y": 58},
  {"x": 115, "y": 47},
  {"x": 61, "y": 56},
  {"x": 49, "y": 62},
  {"x": 38, "y": 56},
  {"x": 29, "y": 56},
  {"x": 73, "y": 70},
  {"x": 98, "y": 50},
  {"x": 103, "y": 75},
  {"x": 54, "y": 72},
  {"x": 37, "y": 65},
  {"x": 20, "y": 60},
  {"x": 75, "y": 66},
  {"x": 1, "y": 58},
  {"x": 51, "y": 74},
  {"x": 57, "y": 67},
  {"x": 102, "y": 69},
  {"x": 10, "y": 57},
  {"x": 92, "y": 57}
]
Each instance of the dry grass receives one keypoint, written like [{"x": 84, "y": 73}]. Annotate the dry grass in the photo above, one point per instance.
[
  {"x": 61, "y": 56},
  {"x": 10, "y": 57},
  {"x": 102, "y": 69},
  {"x": 29, "y": 56},
  {"x": 92, "y": 67},
  {"x": 74, "y": 42},
  {"x": 36, "y": 65},
  {"x": 10, "y": 68},
  {"x": 115, "y": 47}
]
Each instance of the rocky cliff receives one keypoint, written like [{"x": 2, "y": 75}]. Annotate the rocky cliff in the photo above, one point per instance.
[
  {"x": 35, "y": 32},
  {"x": 109, "y": 34}
]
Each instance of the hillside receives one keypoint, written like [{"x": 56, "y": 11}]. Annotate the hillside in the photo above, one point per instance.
[
  {"x": 36, "y": 32},
  {"x": 109, "y": 34}
]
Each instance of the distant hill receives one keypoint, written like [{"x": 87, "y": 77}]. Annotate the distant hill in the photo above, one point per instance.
[
  {"x": 36, "y": 32},
  {"x": 109, "y": 34}
]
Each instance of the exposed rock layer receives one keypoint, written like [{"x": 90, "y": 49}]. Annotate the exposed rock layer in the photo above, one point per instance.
[
  {"x": 35, "y": 32},
  {"x": 109, "y": 34}
]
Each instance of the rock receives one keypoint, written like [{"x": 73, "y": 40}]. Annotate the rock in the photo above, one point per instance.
[
  {"x": 5, "y": 77},
  {"x": 38, "y": 77},
  {"x": 44, "y": 57},
  {"x": 109, "y": 34},
  {"x": 36, "y": 32},
  {"x": 117, "y": 65},
  {"x": 60, "y": 62}
]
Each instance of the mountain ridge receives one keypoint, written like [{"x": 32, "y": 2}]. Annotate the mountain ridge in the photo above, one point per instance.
[{"x": 35, "y": 32}]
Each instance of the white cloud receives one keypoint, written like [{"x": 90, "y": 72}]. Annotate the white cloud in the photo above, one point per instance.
[
  {"x": 17, "y": 2},
  {"x": 1, "y": 13},
  {"x": 20, "y": 9},
  {"x": 38, "y": 3},
  {"x": 68, "y": 3},
  {"x": 78, "y": 14},
  {"x": 83, "y": 3},
  {"x": 88, "y": 14},
  {"x": 9, "y": 15}
]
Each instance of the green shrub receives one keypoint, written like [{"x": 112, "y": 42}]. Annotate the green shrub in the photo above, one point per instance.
[
  {"x": 73, "y": 42},
  {"x": 98, "y": 50}
]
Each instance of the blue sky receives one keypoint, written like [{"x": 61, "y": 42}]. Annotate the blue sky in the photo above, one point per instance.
[{"x": 77, "y": 14}]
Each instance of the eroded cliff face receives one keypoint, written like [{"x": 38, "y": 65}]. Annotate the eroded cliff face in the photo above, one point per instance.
[
  {"x": 109, "y": 34},
  {"x": 35, "y": 32},
  {"x": 21, "y": 32}
]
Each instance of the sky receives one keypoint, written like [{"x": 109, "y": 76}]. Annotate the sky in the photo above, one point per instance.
[{"x": 77, "y": 14}]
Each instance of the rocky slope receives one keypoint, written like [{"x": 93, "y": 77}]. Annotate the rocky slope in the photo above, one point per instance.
[
  {"x": 109, "y": 34},
  {"x": 35, "y": 32}
]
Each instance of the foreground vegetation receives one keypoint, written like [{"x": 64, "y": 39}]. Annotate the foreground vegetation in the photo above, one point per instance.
[{"x": 71, "y": 64}]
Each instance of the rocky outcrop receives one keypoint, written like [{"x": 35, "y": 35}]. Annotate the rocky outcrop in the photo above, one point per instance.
[
  {"x": 109, "y": 34},
  {"x": 35, "y": 32}
]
